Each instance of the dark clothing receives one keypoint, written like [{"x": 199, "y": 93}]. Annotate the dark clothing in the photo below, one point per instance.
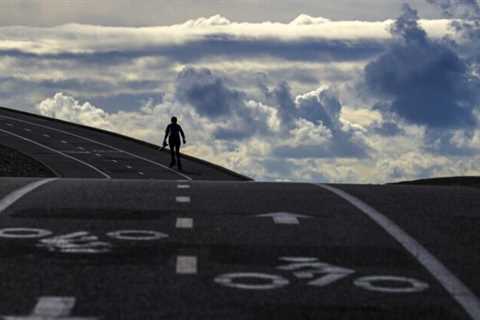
[
  {"x": 175, "y": 152},
  {"x": 173, "y": 133}
]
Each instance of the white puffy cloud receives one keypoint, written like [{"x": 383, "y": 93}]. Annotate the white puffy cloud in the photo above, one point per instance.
[{"x": 80, "y": 38}]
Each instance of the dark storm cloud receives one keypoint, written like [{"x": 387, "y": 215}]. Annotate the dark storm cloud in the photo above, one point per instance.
[
  {"x": 341, "y": 147},
  {"x": 425, "y": 81},
  {"x": 282, "y": 99},
  {"x": 130, "y": 101},
  {"x": 223, "y": 45},
  {"x": 209, "y": 95}
]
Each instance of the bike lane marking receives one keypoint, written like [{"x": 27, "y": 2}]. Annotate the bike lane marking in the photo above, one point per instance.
[
  {"x": 186, "y": 265},
  {"x": 184, "y": 223},
  {"x": 50, "y": 308},
  {"x": 182, "y": 199},
  {"x": 454, "y": 286},
  {"x": 15, "y": 195},
  {"x": 102, "y": 144},
  {"x": 57, "y": 151}
]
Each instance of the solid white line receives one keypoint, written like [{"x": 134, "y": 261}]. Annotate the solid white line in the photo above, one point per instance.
[
  {"x": 457, "y": 289},
  {"x": 183, "y": 186},
  {"x": 184, "y": 223},
  {"x": 182, "y": 199},
  {"x": 14, "y": 196},
  {"x": 187, "y": 264},
  {"x": 56, "y": 151},
  {"x": 103, "y": 144}
]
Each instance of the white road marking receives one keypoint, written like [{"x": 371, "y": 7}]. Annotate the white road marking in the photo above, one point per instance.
[
  {"x": 80, "y": 148},
  {"x": 272, "y": 281},
  {"x": 64, "y": 141},
  {"x": 46, "y": 135},
  {"x": 141, "y": 173},
  {"x": 98, "y": 154},
  {"x": 27, "y": 129},
  {"x": 114, "y": 161},
  {"x": 182, "y": 199},
  {"x": 413, "y": 285},
  {"x": 23, "y": 233},
  {"x": 103, "y": 144},
  {"x": 137, "y": 235},
  {"x": 76, "y": 242},
  {"x": 183, "y": 186},
  {"x": 186, "y": 264},
  {"x": 457, "y": 289},
  {"x": 284, "y": 217},
  {"x": 14, "y": 196},
  {"x": 128, "y": 167},
  {"x": 57, "y": 151},
  {"x": 9, "y": 124},
  {"x": 51, "y": 308},
  {"x": 184, "y": 223},
  {"x": 75, "y": 151}
]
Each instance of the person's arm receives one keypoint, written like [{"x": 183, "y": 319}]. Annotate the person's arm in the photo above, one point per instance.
[
  {"x": 183, "y": 135},
  {"x": 167, "y": 132}
]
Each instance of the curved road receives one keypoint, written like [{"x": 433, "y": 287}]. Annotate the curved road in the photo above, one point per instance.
[
  {"x": 76, "y": 151},
  {"x": 178, "y": 248}
]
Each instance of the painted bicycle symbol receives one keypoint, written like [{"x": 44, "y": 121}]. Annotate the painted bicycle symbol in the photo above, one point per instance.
[
  {"x": 318, "y": 274},
  {"x": 82, "y": 242}
]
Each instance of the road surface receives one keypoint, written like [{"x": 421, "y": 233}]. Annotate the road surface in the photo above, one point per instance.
[{"x": 164, "y": 246}]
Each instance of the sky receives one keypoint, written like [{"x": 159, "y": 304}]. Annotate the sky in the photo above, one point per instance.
[{"x": 349, "y": 91}]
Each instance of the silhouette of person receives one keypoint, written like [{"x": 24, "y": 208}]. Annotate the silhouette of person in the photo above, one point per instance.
[{"x": 173, "y": 133}]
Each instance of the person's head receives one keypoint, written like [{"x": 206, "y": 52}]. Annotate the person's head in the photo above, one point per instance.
[{"x": 174, "y": 119}]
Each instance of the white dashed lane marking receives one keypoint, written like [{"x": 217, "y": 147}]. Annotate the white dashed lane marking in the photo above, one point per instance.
[
  {"x": 184, "y": 223},
  {"x": 10, "y": 124},
  {"x": 141, "y": 173},
  {"x": 57, "y": 151},
  {"x": 457, "y": 289},
  {"x": 103, "y": 144},
  {"x": 46, "y": 135},
  {"x": 186, "y": 264},
  {"x": 98, "y": 154},
  {"x": 183, "y": 186},
  {"x": 128, "y": 167},
  {"x": 114, "y": 161},
  {"x": 27, "y": 129},
  {"x": 63, "y": 141},
  {"x": 182, "y": 199}
]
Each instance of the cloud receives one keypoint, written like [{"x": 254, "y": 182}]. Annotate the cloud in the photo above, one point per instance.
[
  {"x": 211, "y": 98},
  {"x": 424, "y": 81},
  {"x": 315, "y": 127}
]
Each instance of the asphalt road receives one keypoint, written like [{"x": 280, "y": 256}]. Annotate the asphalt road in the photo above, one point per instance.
[
  {"x": 150, "y": 249},
  {"x": 164, "y": 246},
  {"x": 74, "y": 151}
]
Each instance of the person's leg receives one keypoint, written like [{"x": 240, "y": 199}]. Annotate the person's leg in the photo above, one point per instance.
[
  {"x": 172, "y": 153},
  {"x": 177, "y": 151}
]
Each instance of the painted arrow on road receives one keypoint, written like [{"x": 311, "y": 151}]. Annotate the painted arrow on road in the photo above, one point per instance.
[{"x": 284, "y": 217}]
